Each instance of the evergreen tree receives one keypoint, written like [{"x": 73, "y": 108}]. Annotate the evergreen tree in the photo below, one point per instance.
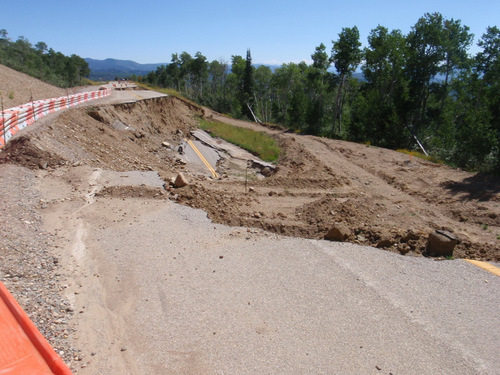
[
  {"x": 248, "y": 83},
  {"x": 346, "y": 56},
  {"x": 41, "y": 62},
  {"x": 379, "y": 116}
]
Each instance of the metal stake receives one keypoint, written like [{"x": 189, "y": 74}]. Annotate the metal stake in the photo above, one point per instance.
[
  {"x": 3, "y": 123},
  {"x": 246, "y": 177},
  {"x": 32, "y": 106}
]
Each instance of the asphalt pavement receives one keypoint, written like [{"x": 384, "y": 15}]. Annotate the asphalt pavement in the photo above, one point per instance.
[
  {"x": 201, "y": 154},
  {"x": 203, "y": 298}
]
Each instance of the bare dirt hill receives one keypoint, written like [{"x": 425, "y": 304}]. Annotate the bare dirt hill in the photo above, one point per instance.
[
  {"x": 383, "y": 198},
  {"x": 18, "y": 88}
]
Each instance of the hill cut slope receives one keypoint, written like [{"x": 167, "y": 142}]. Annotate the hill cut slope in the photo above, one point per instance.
[{"x": 18, "y": 88}]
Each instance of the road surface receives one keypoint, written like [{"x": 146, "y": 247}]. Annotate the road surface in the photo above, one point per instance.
[
  {"x": 200, "y": 152},
  {"x": 159, "y": 289},
  {"x": 162, "y": 290}
]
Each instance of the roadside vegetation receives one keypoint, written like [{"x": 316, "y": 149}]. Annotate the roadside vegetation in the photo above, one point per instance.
[
  {"x": 424, "y": 85},
  {"x": 419, "y": 155},
  {"x": 257, "y": 143},
  {"x": 42, "y": 62}
]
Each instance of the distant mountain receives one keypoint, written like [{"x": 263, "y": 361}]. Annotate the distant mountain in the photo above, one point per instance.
[
  {"x": 109, "y": 69},
  {"x": 359, "y": 76}
]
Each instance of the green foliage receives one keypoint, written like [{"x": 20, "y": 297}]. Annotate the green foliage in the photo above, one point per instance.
[
  {"x": 346, "y": 56},
  {"x": 421, "y": 86},
  {"x": 248, "y": 79},
  {"x": 258, "y": 143},
  {"x": 41, "y": 62},
  {"x": 346, "y": 51}
]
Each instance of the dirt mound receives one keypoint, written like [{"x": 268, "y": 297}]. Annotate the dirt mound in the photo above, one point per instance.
[
  {"x": 22, "y": 151},
  {"x": 86, "y": 136},
  {"x": 385, "y": 198},
  {"x": 299, "y": 168}
]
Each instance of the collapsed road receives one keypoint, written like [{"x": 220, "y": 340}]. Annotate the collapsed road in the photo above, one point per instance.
[{"x": 157, "y": 287}]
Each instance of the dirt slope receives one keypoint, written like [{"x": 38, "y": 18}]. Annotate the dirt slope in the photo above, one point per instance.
[
  {"x": 383, "y": 197},
  {"x": 18, "y": 88}
]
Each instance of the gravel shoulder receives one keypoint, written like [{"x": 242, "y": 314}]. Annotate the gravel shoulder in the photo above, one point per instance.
[{"x": 29, "y": 266}]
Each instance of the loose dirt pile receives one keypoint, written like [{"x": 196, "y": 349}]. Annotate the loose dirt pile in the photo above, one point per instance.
[{"x": 383, "y": 198}]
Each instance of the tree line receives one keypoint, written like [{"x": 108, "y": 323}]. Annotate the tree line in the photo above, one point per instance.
[
  {"x": 42, "y": 62},
  {"x": 420, "y": 90}
]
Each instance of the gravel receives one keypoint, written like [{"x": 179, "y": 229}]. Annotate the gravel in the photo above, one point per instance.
[{"x": 27, "y": 267}]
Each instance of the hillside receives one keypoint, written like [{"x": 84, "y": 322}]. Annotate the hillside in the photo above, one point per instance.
[{"x": 18, "y": 88}]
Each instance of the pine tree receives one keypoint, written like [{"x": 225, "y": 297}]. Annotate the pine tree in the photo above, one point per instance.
[{"x": 248, "y": 97}]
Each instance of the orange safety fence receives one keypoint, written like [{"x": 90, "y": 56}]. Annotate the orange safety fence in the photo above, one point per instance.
[
  {"x": 14, "y": 119},
  {"x": 23, "y": 349}
]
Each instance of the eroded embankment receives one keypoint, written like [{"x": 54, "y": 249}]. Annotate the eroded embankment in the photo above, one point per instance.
[{"x": 118, "y": 137}]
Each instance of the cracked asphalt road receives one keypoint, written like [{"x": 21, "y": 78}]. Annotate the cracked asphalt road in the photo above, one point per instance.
[{"x": 163, "y": 290}]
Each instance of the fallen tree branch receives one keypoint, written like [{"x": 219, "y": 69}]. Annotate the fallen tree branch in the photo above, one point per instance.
[{"x": 256, "y": 119}]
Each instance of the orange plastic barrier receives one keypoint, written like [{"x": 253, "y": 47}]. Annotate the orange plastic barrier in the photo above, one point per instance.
[
  {"x": 14, "y": 119},
  {"x": 23, "y": 349}
]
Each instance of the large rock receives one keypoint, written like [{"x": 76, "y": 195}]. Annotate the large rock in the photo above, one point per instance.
[
  {"x": 441, "y": 244},
  {"x": 410, "y": 236},
  {"x": 386, "y": 240},
  {"x": 180, "y": 181},
  {"x": 339, "y": 232}
]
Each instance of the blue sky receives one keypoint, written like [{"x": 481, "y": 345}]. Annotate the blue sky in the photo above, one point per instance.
[{"x": 276, "y": 31}]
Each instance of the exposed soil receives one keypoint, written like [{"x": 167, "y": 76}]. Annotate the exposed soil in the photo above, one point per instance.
[
  {"x": 383, "y": 197},
  {"x": 18, "y": 88}
]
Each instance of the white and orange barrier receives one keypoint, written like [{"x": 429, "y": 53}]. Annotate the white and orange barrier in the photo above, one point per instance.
[
  {"x": 14, "y": 119},
  {"x": 24, "y": 350}
]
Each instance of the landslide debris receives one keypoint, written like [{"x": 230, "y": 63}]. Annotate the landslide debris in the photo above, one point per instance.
[{"x": 384, "y": 198}]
